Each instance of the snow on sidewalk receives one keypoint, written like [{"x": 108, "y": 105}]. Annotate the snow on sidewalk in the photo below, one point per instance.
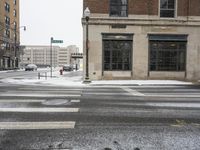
[
  {"x": 77, "y": 81},
  {"x": 62, "y": 80},
  {"x": 140, "y": 82}
]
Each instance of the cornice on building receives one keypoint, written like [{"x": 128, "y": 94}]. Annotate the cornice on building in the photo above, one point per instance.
[{"x": 182, "y": 21}]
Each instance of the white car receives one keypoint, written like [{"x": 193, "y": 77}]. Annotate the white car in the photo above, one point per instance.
[{"x": 31, "y": 67}]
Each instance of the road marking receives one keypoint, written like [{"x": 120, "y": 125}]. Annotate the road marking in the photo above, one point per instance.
[
  {"x": 179, "y": 123},
  {"x": 75, "y": 101},
  {"x": 105, "y": 94},
  {"x": 179, "y": 104},
  {"x": 21, "y": 101},
  {"x": 175, "y": 96},
  {"x": 132, "y": 92},
  {"x": 57, "y": 89},
  {"x": 41, "y": 110},
  {"x": 40, "y": 95},
  {"x": 36, "y": 125}
]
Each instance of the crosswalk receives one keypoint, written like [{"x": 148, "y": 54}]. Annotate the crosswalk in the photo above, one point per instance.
[
  {"x": 48, "y": 101},
  {"x": 145, "y": 91},
  {"x": 149, "y": 96},
  {"x": 38, "y": 101}
]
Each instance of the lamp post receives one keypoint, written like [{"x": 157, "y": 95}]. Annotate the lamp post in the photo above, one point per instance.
[
  {"x": 16, "y": 60},
  {"x": 87, "y": 17}
]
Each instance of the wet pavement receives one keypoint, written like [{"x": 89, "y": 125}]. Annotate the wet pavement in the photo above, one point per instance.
[{"x": 99, "y": 117}]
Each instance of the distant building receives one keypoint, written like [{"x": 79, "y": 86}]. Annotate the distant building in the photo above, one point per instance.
[
  {"x": 143, "y": 39},
  {"x": 70, "y": 50},
  {"x": 63, "y": 56},
  {"x": 9, "y": 34},
  {"x": 40, "y": 55}
]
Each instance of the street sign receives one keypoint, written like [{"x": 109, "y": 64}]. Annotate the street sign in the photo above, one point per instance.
[{"x": 56, "y": 41}]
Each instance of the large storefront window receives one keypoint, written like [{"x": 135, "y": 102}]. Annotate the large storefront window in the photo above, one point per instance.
[
  {"x": 167, "y": 54},
  {"x": 117, "y": 51}
]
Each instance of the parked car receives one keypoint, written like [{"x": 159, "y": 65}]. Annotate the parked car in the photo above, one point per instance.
[
  {"x": 67, "y": 68},
  {"x": 30, "y": 67}
]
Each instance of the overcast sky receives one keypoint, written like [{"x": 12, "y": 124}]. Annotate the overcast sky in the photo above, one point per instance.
[{"x": 60, "y": 19}]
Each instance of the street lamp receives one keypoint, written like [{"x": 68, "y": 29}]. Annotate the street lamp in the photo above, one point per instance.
[
  {"x": 87, "y": 17},
  {"x": 15, "y": 46}
]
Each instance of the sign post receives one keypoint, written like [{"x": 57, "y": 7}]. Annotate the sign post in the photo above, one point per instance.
[{"x": 51, "y": 53}]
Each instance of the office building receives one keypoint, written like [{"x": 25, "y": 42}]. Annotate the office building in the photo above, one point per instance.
[
  {"x": 41, "y": 55},
  {"x": 9, "y": 34},
  {"x": 143, "y": 39}
]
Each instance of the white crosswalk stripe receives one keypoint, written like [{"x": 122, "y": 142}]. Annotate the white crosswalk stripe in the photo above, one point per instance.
[
  {"x": 21, "y": 101},
  {"x": 191, "y": 93},
  {"x": 40, "y": 95},
  {"x": 36, "y": 125},
  {"x": 29, "y": 101},
  {"x": 180, "y": 104},
  {"x": 177, "y": 95},
  {"x": 132, "y": 92},
  {"x": 41, "y": 110}
]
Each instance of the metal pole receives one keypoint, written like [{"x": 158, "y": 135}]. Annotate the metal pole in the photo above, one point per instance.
[
  {"x": 46, "y": 75},
  {"x": 87, "y": 48},
  {"x": 51, "y": 55},
  {"x": 15, "y": 49},
  {"x": 39, "y": 75}
]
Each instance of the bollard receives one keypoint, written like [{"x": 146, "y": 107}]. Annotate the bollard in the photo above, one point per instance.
[
  {"x": 46, "y": 75},
  {"x": 38, "y": 75}
]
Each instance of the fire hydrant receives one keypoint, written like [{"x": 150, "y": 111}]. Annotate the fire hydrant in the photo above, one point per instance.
[{"x": 61, "y": 72}]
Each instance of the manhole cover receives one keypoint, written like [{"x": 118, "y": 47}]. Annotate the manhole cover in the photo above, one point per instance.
[{"x": 57, "y": 102}]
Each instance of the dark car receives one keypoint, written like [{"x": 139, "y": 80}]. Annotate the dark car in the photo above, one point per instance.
[
  {"x": 67, "y": 68},
  {"x": 31, "y": 67}
]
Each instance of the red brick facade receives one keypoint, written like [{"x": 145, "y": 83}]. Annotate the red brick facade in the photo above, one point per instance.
[
  {"x": 145, "y": 7},
  {"x": 97, "y": 6},
  {"x": 194, "y": 7}
]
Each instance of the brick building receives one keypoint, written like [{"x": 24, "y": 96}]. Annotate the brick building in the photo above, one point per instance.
[
  {"x": 143, "y": 39},
  {"x": 9, "y": 34}
]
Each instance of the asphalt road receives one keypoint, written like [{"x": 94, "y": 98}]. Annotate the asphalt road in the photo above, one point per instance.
[
  {"x": 99, "y": 117},
  {"x": 20, "y": 74}
]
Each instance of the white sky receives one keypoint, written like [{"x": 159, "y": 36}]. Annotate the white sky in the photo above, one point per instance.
[{"x": 44, "y": 19}]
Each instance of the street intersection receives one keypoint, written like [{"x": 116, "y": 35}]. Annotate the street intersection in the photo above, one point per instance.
[{"x": 99, "y": 117}]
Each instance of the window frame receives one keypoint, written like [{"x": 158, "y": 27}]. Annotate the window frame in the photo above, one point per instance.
[
  {"x": 119, "y": 37},
  {"x": 7, "y": 7},
  {"x": 171, "y": 39},
  {"x": 7, "y": 20},
  {"x": 175, "y": 10},
  {"x": 15, "y": 2},
  {"x": 15, "y": 13},
  {"x": 127, "y": 3}
]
